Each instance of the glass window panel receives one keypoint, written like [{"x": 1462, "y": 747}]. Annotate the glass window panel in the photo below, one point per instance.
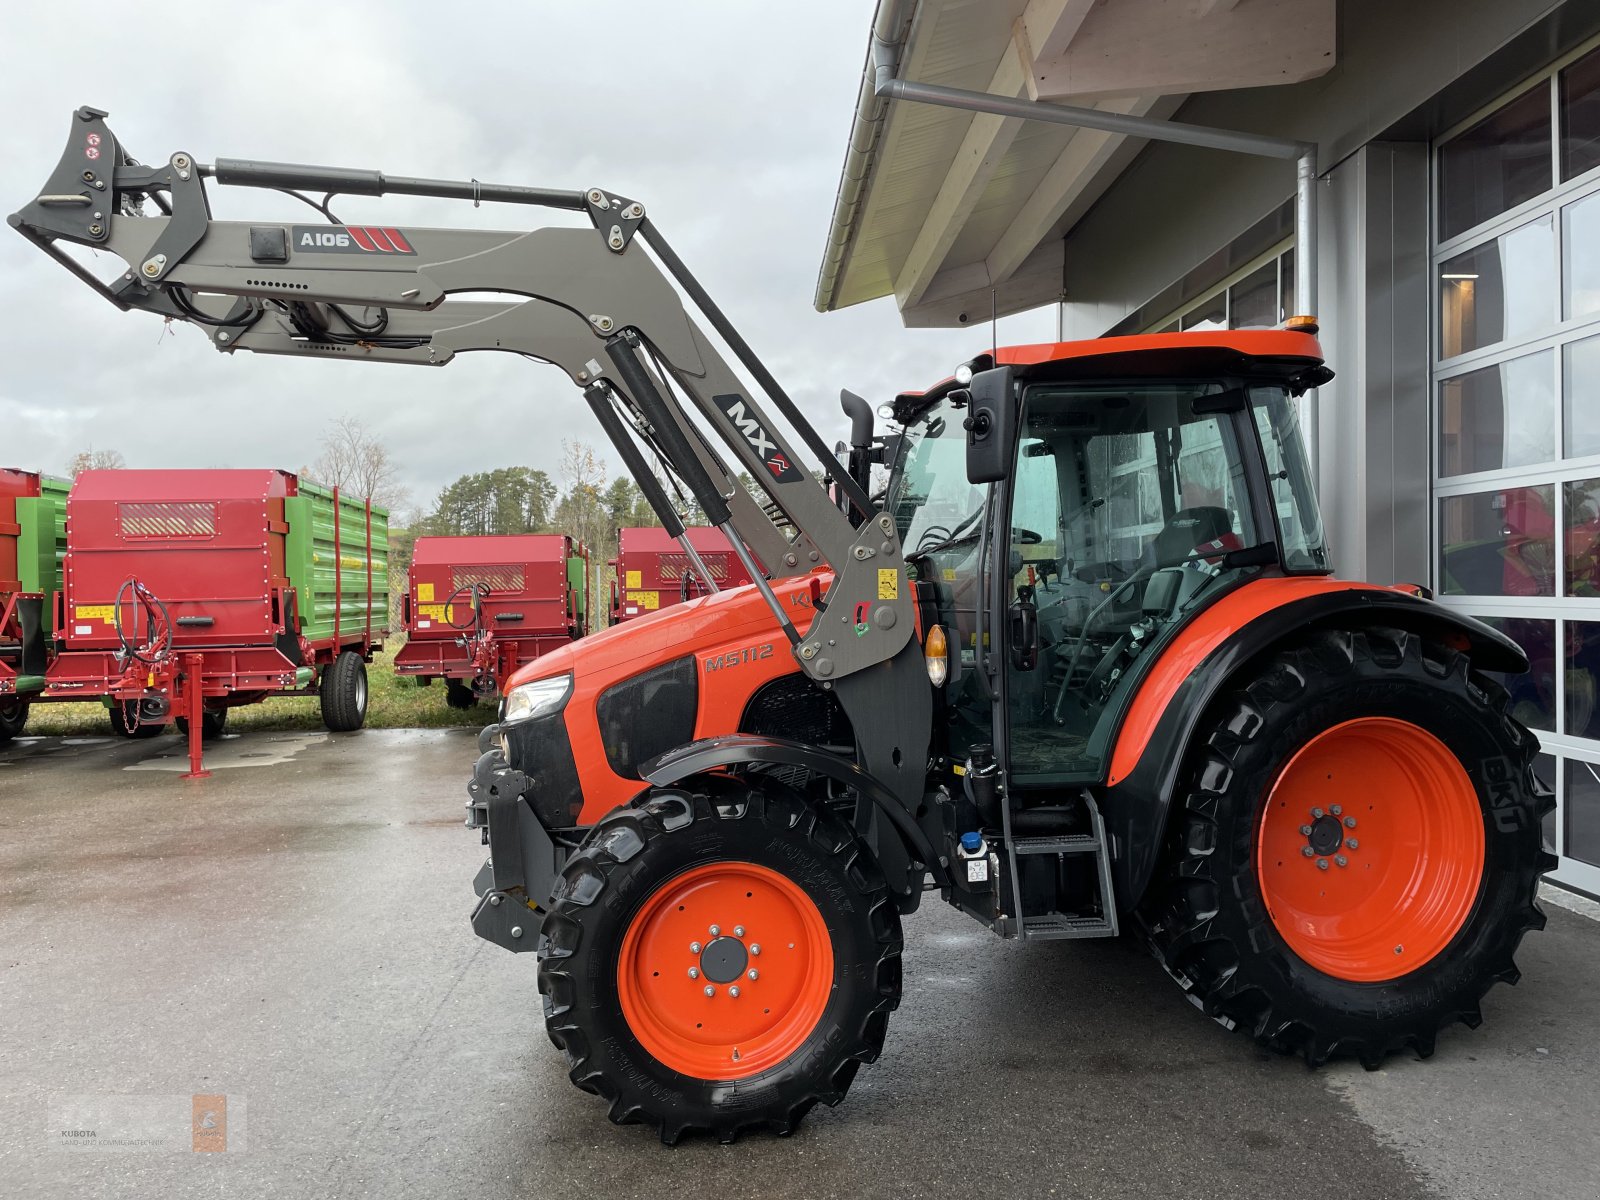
[
  {"x": 1581, "y": 807},
  {"x": 1545, "y": 767},
  {"x": 1497, "y": 164},
  {"x": 1503, "y": 289},
  {"x": 1583, "y": 673},
  {"x": 1286, "y": 290},
  {"x": 1582, "y": 535},
  {"x": 1580, "y": 389},
  {"x": 1581, "y": 250},
  {"x": 1500, "y": 416},
  {"x": 1213, "y": 314},
  {"x": 1533, "y": 694},
  {"x": 1253, "y": 301},
  {"x": 1498, "y": 543},
  {"x": 1580, "y": 116}
]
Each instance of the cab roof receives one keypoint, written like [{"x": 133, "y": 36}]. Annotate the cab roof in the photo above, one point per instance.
[{"x": 1162, "y": 353}]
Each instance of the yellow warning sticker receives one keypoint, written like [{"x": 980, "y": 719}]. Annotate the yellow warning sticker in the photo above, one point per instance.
[
  {"x": 949, "y": 574},
  {"x": 424, "y": 593},
  {"x": 95, "y": 612},
  {"x": 437, "y": 612},
  {"x": 645, "y": 600},
  {"x": 634, "y": 579},
  {"x": 888, "y": 583}
]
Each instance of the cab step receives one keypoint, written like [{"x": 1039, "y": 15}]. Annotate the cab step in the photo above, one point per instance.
[{"x": 1049, "y": 926}]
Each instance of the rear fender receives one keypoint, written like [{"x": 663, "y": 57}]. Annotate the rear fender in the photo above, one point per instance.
[{"x": 1152, "y": 746}]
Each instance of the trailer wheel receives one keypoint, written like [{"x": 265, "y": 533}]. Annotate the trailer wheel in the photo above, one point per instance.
[
  {"x": 212, "y": 724},
  {"x": 1358, "y": 855},
  {"x": 13, "y": 718},
  {"x": 344, "y": 693},
  {"x": 719, "y": 958},
  {"x": 137, "y": 718}
]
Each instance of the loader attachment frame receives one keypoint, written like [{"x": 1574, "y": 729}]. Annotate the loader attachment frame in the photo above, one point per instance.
[{"x": 592, "y": 302}]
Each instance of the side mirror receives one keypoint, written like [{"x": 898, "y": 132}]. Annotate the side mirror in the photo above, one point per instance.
[{"x": 991, "y": 425}]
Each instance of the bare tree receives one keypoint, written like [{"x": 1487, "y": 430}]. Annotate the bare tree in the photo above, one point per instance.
[
  {"x": 354, "y": 460},
  {"x": 95, "y": 460}
]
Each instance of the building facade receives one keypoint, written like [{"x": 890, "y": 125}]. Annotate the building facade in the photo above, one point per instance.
[{"x": 1458, "y": 262}]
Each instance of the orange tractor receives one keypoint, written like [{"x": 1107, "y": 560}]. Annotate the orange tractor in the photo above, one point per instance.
[{"x": 1083, "y": 668}]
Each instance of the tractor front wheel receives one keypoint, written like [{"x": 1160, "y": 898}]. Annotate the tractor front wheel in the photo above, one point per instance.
[
  {"x": 718, "y": 958},
  {"x": 13, "y": 718},
  {"x": 1359, "y": 849},
  {"x": 344, "y": 693}
]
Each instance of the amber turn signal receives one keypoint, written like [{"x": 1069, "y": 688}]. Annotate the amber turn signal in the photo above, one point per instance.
[{"x": 936, "y": 653}]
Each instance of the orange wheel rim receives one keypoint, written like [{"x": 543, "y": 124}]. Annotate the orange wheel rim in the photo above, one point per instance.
[
  {"x": 1370, "y": 849},
  {"x": 725, "y": 971}
]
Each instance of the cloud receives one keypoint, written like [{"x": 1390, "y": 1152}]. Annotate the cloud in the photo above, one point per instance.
[{"x": 727, "y": 118}]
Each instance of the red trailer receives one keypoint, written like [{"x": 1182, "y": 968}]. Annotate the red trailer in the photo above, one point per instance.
[
  {"x": 477, "y": 608},
  {"x": 186, "y": 593},
  {"x": 652, "y": 571}
]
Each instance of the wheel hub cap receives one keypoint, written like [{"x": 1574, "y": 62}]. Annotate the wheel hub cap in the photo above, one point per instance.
[
  {"x": 724, "y": 960},
  {"x": 1327, "y": 835}
]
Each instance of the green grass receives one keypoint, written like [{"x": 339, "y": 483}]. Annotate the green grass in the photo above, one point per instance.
[{"x": 393, "y": 702}]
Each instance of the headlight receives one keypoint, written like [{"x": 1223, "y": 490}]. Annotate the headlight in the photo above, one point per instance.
[{"x": 537, "y": 699}]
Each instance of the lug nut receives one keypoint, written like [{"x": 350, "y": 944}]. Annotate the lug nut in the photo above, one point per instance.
[
  {"x": 694, "y": 947},
  {"x": 1316, "y": 812},
  {"x": 751, "y": 975},
  {"x": 1352, "y": 843},
  {"x": 1322, "y": 864},
  {"x": 710, "y": 991},
  {"x": 694, "y": 972},
  {"x": 1335, "y": 809},
  {"x": 1307, "y": 851},
  {"x": 1342, "y": 860},
  {"x": 755, "y": 949},
  {"x": 738, "y": 931},
  {"x": 1349, "y": 822},
  {"x": 734, "y": 991},
  {"x": 1305, "y": 831},
  {"x": 716, "y": 930}
]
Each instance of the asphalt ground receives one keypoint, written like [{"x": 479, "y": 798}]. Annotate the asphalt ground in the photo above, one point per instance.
[{"x": 292, "y": 933}]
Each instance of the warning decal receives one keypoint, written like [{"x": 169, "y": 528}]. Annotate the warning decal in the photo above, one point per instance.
[{"x": 888, "y": 583}]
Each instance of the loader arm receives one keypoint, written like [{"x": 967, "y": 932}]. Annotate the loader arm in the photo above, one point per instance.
[{"x": 593, "y": 302}]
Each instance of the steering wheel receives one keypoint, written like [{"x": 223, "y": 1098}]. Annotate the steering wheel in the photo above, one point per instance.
[{"x": 1027, "y": 537}]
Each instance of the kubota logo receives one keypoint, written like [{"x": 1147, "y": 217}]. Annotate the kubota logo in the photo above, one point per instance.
[
  {"x": 350, "y": 239},
  {"x": 777, "y": 462}
]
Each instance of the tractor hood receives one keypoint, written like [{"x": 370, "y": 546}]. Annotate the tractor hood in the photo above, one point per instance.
[{"x": 706, "y": 624}]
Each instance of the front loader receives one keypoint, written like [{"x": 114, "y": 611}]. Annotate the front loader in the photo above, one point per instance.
[{"x": 1082, "y": 668}]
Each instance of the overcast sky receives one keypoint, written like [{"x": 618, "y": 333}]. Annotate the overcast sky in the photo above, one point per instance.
[{"x": 727, "y": 118}]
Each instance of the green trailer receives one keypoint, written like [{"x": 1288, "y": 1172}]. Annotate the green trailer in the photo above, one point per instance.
[{"x": 33, "y": 541}]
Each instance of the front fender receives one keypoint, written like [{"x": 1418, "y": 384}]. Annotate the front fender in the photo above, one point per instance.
[
  {"x": 1152, "y": 744},
  {"x": 710, "y": 754}
]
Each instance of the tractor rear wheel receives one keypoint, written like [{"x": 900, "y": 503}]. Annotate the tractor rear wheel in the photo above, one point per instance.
[
  {"x": 720, "y": 957},
  {"x": 212, "y": 724},
  {"x": 1359, "y": 849},
  {"x": 136, "y": 718},
  {"x": 344, "y": 693},
  {"x": 13, "y": 718}
]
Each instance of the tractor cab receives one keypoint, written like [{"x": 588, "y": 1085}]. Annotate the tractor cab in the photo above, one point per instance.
[{"x": 1073, "y": 506}]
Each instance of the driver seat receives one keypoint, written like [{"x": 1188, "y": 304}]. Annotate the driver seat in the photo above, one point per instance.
[{"x": 1204, "y": 527}]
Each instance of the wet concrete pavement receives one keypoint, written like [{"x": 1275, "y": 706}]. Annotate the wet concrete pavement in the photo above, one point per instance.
[{"x": 292, "y": 932}]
